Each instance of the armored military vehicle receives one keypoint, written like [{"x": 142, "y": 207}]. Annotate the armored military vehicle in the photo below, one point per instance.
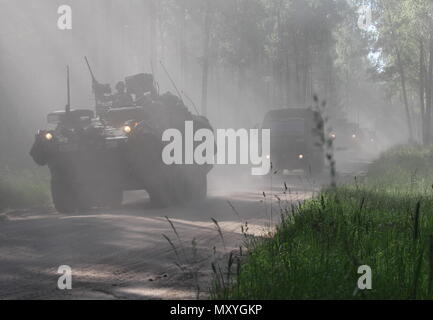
[
  {"x": 94, "y": 158},
  {"x": 296, "y": 135},
  {"x": 347, "y": 136}
]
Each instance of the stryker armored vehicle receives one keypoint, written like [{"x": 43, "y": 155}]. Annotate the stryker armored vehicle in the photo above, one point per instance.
[
  {"x": 296, "y": 135},
  {"x": 94, "y": 158}
]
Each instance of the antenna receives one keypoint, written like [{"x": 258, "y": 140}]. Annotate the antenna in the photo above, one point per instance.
[
  {"x": 155, "y": 82},
  {"x": 94, "y": 82},
  {"x": 178, "y": 93},
  {"x": 192, "y": 102},
  {"x": 172, "y": 82},
  {"x": 68, "y": 104},
  {"x": 90, "y": 69}
]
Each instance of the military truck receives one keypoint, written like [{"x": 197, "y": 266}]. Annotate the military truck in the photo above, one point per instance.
[
  {"x": 351, "y": 138},
  {"x": 346, "y": 136},
  {"x": 296, "y": 135},
  {"x": 94, "y": 158}
]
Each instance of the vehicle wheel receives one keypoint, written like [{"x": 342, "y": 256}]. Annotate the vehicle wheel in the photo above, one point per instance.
[
  {"x": 63, "y": 194},
  {"x": 39, "y": 152},
  {"x": 114, "y": 198},
  {"x": 100, "y": 197},
  {"x": 201, "y": 185},
  {"x": 179, "y": 187},
  {"x": 197, "y": 188},
  {"x": 86, "y": 197},
  {"x": 317, "y": 164},
  {"x": 159, "y": 195},
  {"x": 157, "y": 198},
  {"x": 144, "y": 157}
]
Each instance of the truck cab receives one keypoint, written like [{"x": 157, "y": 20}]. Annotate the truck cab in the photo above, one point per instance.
[{"x": 296, "y": 135}]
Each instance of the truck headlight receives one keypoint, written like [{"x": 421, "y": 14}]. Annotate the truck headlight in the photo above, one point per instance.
[
  {"x": 127, "y": 129},
  {"x": 301, "y": 156},
  {"x": 49, "y": 136}
]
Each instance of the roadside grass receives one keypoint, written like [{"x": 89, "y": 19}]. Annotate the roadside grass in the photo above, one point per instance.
[
  {"x": 383, "y": 220},
  {"x": 23, "y": 188}
]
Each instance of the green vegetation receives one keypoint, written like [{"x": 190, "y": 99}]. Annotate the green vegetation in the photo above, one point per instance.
[
  {"x": 23, "y": 188},
  {"x": 383, "y": 220}
]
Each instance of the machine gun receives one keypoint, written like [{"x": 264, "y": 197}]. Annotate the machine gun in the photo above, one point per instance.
[{"x": 99, "y": 90}]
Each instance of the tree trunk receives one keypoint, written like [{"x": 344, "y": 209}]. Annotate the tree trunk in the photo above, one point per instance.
[
  {"x": 297, "y": 71},
  {"x": 422, "y": 90},
  {"x": 428, "y": 88},
  {"x": 205, "y": 74},
  {"x": 183, "y": 54},
  {"x": 280, "y": 58},
  {"x": 404, "y": 93},
  {"x": 152, "y": 38}
]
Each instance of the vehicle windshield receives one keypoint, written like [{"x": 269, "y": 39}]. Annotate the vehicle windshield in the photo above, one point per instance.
[{"x": 289, "y": 126}]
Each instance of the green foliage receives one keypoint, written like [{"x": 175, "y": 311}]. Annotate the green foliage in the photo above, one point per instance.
[
  {"x": 403, "y": 168},
  {"x": 23, "y": 189},
  {"x": 264, "y": 43},
  {"x": 403, "y": 36},
  {"x": 383, "y": 220}
]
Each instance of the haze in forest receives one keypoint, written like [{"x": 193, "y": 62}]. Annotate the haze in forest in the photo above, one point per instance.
[{"x": 233, "y": 59}]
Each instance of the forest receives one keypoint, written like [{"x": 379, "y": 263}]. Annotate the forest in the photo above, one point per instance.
[
  {"x": 366, "y": 65},
  {"x": 232, "y": 59}
]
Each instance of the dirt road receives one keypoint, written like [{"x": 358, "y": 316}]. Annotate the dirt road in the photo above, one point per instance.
[{"x": 122, "y": 254}]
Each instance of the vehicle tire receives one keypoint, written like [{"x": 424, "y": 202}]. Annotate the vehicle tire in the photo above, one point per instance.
[
  {"x": 176, "y": 191},
  {"x": 86, "y": 197},
  {"x": 158, "y": 198},
  {"x": 144, "y": 156},
  {"x": 39, "y": 152},
  {"x": 179, "y": 186},
  {"x": 63, "y": 195},
  {"x": 318, "y": 164},
  {"x": 158, "y": 188},
  {"x": 99, "y": 197},
  {"x": 197, "y": 187},
  {"x": 202, "y": 186},
  {"x": 111, "y": 198}
]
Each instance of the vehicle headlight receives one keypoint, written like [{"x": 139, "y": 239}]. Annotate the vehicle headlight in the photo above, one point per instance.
[
  {"x": 353, "y": 136},
  {"x": 332, "y": 135},
  {"x": 268, "y": 156},
  {"x": 49, "y": 136},
  {"x": 301, "y": 156},
  {"x": 127, "y": 129}
]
